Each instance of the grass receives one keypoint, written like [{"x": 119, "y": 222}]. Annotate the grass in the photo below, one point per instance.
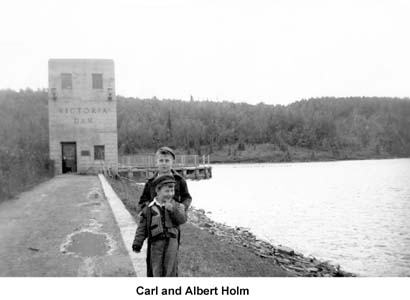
[
  {"x": 21, "y": 170},
  {"x": 13, "y": 187},
  {"x": 203, "y": 254}
]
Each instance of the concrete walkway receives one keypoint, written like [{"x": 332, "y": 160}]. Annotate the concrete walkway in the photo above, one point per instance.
[
  {"x": 63, "y": 227},
  {"x": 127, "y": 227}
]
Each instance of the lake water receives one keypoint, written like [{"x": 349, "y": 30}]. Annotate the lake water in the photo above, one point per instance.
[{"x": 354, "y": 213}]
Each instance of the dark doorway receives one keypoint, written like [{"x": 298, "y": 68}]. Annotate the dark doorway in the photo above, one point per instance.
[{"x": 69, "y": 157}]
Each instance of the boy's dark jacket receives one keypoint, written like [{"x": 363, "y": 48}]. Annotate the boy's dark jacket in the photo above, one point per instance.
[
  {"x": 181, "y": 195},
  {"x": 181, "y": 191},
  {"x": 152, "y": 225}
]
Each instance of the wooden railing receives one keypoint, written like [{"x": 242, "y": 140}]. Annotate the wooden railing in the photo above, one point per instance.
[
  {"x": 105, "y": 169},
  {"x": 148, "y": 161}
]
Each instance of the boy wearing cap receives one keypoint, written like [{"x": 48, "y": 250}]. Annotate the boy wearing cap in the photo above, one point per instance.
[
  {"x": 159, "y": 222},
  {"x": 165, "y": 157}
]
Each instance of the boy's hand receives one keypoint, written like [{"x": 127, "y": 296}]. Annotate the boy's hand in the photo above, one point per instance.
[
  {"x": 169, "y": 205},
  {"x": 136, "y": 248}
]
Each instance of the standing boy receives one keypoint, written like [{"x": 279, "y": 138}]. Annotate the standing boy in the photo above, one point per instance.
[
  {"x": 159, "y": 222},
  {"x": 164, "y": 158}
]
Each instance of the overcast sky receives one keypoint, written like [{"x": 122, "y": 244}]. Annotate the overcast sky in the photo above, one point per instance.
[{"x": 250, "y": 51}]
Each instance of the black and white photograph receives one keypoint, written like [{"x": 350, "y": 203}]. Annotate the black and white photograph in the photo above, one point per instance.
[{"x": 243, "y": 143}]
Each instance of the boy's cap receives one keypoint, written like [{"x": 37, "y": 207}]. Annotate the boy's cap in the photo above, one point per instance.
[
  {"x": 166, "y": 150},
  {"x": 163, "y": 180}
]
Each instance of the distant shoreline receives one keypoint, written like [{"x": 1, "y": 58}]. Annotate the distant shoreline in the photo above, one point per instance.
[
  {"x": 262, "y": 161},
  {"x": 272, "y": 153}
]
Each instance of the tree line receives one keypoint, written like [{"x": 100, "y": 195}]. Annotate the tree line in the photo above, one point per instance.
[
  {"x": 371, "y": 125},
  {"x": 24, "y": 157}
]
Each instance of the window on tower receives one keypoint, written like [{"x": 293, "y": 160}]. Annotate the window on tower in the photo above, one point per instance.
[
  {"x": 66, "y": 81},
  {"x": 99, "y": 152},
  {"x": 97, "y": 81}
]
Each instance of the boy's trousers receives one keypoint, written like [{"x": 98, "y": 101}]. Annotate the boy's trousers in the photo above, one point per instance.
[{"x": 164, "y": 257}]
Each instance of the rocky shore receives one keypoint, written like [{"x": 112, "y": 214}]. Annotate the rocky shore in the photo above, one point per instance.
[
  {"x": 291, "y": 261},
  {"x": 234, "y": 251}
]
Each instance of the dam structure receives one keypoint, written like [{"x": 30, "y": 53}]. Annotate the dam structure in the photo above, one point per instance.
[
  {"x": 83, "y": 137},
  {"x": 82, "y": 111}
]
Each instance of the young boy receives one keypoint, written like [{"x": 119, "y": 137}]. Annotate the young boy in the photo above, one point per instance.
[
  {"x": 159, "y": 222},
  {"x": 165, "y": 157}
]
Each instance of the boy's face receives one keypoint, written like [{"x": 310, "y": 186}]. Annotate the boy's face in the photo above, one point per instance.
[
  {"x": 165, "y": 193},
  {"x": 164, "y": 163}
]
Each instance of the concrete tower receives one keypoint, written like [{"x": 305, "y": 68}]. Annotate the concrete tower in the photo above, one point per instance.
[{"x": 82, "y": 111}]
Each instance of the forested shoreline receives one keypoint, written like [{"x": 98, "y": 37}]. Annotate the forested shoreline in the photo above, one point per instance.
[
  {"x": 335, "y": 128},
  {"x": 326, "y": 128}
]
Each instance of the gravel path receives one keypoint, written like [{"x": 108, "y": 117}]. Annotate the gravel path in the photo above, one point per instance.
[{"x": 62, "y": 227}]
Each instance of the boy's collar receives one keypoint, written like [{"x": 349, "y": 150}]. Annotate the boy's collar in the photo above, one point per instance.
[
  {"x": 155, "y": 202},
  {"x": 173, "y": 173},
  {"x": 169, "y": 173}
]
